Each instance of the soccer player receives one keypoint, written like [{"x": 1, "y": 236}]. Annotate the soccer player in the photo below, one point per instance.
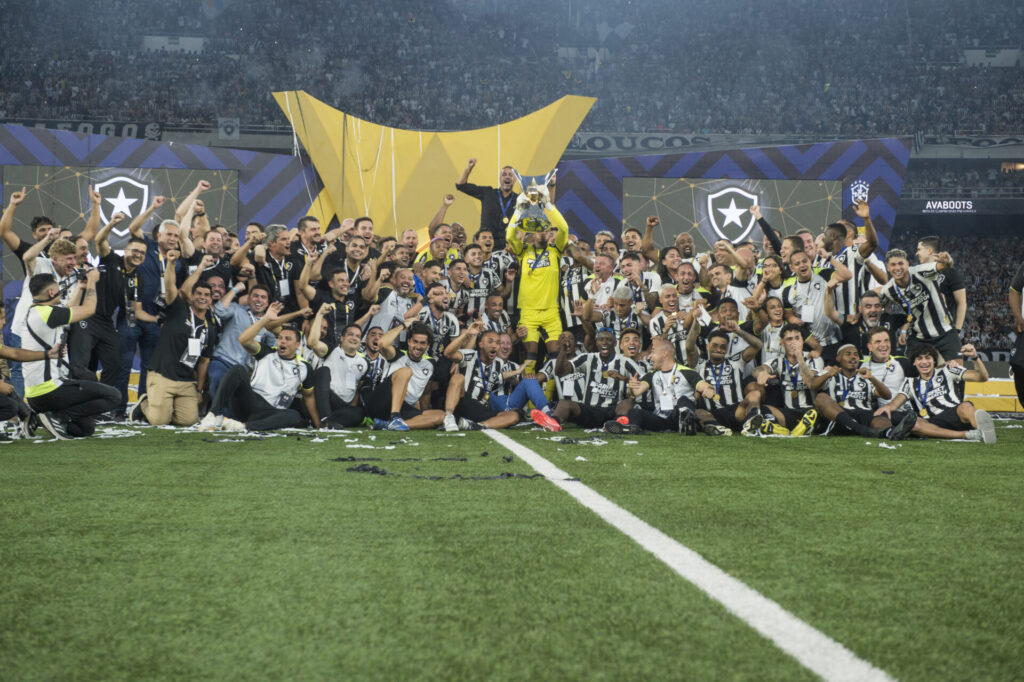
[
  {"x": 951, "y": 283},
  {"x": 870, "y": 315},
  {"x": 891, "y": 370},
  {"x": 804, "y": 299},
  {"x": 846, "y": 397},
  {"x": 933, "y": 395},
  {"x": 916, "y": 290},
  {"x": 663, "y": 399},
  {"x": 623, "y": 313},
  {"x": 669, "y": 322},
  {"x": 602, "y": 388},
  {"x": 400, "y": 396},
  {"x": 726, "y": 409},
  {"x": 336, "y": 384},
  {"x": 539, "y": 264},
  {"x": 480, "y": 378},
  {"x": 784, "y": 387}
]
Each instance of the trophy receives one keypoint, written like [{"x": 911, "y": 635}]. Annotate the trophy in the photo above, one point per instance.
[{"x": 533, "y": 203}]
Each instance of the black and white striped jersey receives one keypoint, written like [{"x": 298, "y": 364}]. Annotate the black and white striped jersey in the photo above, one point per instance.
[
  {"x": 687, "y": 302},
  {"x": 458, "y": 300},
  {"x": 565, "y": 387},
  {"x": 847, "y": 294},
  {"x": 807, "y": 301},
  {"x": 737, "y": 344},
  {"x": 851, "y": 393},
  {"x": 727, "y": 379},
  {"x": 598, "y": 388},
  {"x": 445, "y": 328},
  {"x": 482, "y": 379},
  {"x": 635, "y": 291},
  {"x": 670, "y": 390},
  {"x": 477, "y": 288},
  {"x": 921, "y": 300},
  {"x": 675, "y": 333},
  {"x": 422, "y": 373},
  {"x": 346, "y": 372},
  {"x": 501, "y": 325},
  {"x": 890, "y": 373},
  {"x": 376, "y": 372},
  {"x": 611, "y": 319},
  {"x": 795, "y": 393},
  {"x": 936, "y": 394},
  {"x": 573, "y": 290}
]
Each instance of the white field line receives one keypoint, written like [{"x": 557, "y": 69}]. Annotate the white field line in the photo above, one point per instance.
[{"x": 813, "y": 649}]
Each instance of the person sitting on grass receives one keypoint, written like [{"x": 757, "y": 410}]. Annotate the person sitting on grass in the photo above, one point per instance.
[
  {"x": 730, "y": 407},
  {"x": 933, "y": 395},
  {"x": 265, "y": 401},
  {"x": 783, "y": 387},
  {"x": 846, "y": 397},
  {"x": 397, "y": 402},
  {"x": 602, "y": 388}
]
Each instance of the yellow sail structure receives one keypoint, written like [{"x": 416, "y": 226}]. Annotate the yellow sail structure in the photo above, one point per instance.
[{"x": 398, "y": 177}]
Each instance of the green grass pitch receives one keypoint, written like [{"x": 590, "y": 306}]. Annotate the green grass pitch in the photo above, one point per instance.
[{"x": 181, "y": 555}]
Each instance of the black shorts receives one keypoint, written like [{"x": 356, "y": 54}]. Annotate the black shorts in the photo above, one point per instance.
[
  {"x": 594, "y": 417},
  {"x": 948, "y": 345},
  {"x": 378, "y": 402},
  {"x": 726, "y": 416},
  {"x": 949, "y": 419},
  {"x": 860, "y": 416},
  {"x": 474, "y": 410},
  {"x": 791, "y": 417}
]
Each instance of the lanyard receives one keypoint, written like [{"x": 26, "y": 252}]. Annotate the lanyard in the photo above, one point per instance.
[
  {"x": 505, "y": 205},
  {"x": 637, "y": 295},
  {"x": 903, "y": 297},
  {"x": 201, "y": 336},
  {"x": 923, "y": 397},
  {"x": 717, "y": 375},
  {"x": 847, "y": 384},
  {"x": 536, "y": 258},
  {"x": 487, "y": 378},
  {"x": 792, "y": 370},
  {"x": 353, "y": 276}
]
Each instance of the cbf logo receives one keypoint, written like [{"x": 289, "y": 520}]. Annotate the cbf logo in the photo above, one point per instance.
[
  {"x": 859, "y": 191},
  {"x": 121, "y": 194},
  {"x": 729, "y": 213}
]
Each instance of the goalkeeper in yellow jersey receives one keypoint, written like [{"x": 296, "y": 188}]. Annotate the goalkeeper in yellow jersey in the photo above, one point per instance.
[{"x": 539, "y": 253}]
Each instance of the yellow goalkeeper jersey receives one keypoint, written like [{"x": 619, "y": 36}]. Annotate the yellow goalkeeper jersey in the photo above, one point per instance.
[{"x": 540, "y": 267}]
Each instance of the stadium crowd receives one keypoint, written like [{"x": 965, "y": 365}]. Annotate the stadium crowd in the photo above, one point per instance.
[
  {"x": 968, "y": 180},
  {"x": 297, "y": 326},
  {"x": 823, "y": 67}
]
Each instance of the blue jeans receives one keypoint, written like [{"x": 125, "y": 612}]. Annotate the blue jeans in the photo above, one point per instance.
[
  {"x": 527, "y": 390},
  {"x": 17, "y": 378},
  {"x": 214, "y": 375},
  {"x": 145, "y": 336}
]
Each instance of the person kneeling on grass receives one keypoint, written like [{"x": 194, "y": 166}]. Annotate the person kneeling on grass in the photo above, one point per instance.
[
  {"x": 401, "y": 396},
  {"x": 267, "y": 399},
  {"x": 933, "y": 395},
  {"x": 731, "y": 407},
  {"x": 846, "y": 396},
  {"x": 783, "y": 387},
  {"x": 65, "y": 407}
]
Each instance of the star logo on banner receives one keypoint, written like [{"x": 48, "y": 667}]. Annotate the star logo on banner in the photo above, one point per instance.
[
  {"x": 732, "y": 214},
  {"x": 122, "y": 204}
]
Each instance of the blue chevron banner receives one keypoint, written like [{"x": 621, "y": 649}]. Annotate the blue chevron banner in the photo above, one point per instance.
[{"x": 592, "y": 192}]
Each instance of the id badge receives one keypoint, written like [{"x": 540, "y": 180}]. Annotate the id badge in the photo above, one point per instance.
[
  {"x": 807, "y": 313},
  {"x": 195, "y": 348},
  {"x": 284, "y": 401},
  {"x": 666, "y": 402},
  {"x": 285, "y": 286},
  {"x": 705, "y": 318}
]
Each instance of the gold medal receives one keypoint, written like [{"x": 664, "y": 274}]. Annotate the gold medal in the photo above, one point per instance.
[
  {"x": 924, "y": 412},
  {"x": 716, "y": 397},
  {"x": 794, "y": 394},
  {"x": 604, "y": 374},
  {"x": 910, "y": 318},
  {"x": 487, "y": 396},
  {"x": 505, "y": 220}
]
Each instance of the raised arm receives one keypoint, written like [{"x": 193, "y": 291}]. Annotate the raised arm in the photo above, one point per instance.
[
  {"x": 248, "y": 337},
  {"x": 315, "y": 342},
  {"x": 93, "y": 223},
  {"x": 464, "y": 177},
  {"x": 102, "y": 246},
  {"x": 387, "y": 342},
  {"x": 647, "y": 246},
  {"x": 766, "y": 229},
  {"x": 33, "y": 251},
  {"x": 187, "y": 203},
  {"x": 135, "y": 228},
  {"x": 691, "y": 342},
  {"x": 12, "y": 240},
  {"x": 464, "y": 340},
  {"x": 190, "y": 281},
  {"x": 870, "y": 234},
  {"x": 979, "y": 373},
  {"x": 171, "y": 277},
  {"x": 438, "y": 218},
  {"x": 241, "y": 254}
]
